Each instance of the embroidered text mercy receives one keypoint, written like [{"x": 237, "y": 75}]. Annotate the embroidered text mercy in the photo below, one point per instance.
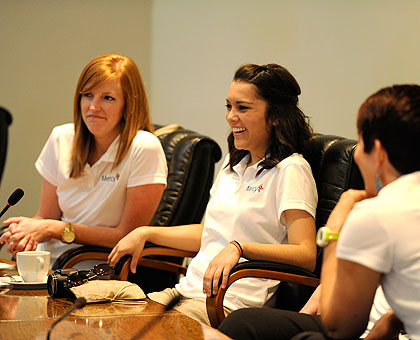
[
  {"x": 110, "y": 178},
  {"x": 254, "y": 189}
]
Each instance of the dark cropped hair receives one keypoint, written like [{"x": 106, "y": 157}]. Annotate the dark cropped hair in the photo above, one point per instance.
[
  {"x": 392, "y": 115},
  {"x": 291, "y": 131}
]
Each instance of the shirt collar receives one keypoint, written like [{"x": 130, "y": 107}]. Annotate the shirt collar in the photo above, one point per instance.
[
  {"x": 243, "y": 165},
  {"x": 110, "y": 154},
  {"x": 240, "y": 167},
  {"x": 411, "y": 179}
]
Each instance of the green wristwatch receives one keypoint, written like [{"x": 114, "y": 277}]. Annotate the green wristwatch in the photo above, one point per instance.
[{"x": 325, "y": 235}]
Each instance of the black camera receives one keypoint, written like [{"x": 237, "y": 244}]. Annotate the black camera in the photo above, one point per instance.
[
  {"x": 60, "y": 282},
  {"x": 57, "y": 283}
]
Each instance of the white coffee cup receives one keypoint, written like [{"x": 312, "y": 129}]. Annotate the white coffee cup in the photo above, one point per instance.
[{"x": 33, "y": 266}]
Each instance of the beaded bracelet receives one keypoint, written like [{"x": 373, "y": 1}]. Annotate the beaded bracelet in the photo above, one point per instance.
[{"x": 238, "y": 246}]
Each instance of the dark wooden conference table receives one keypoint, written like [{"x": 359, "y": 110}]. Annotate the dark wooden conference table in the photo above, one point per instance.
[{"x": 28, "y": 314}]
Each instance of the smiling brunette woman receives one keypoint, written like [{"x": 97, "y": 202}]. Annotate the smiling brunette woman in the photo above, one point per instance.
[
  {"x": 263, "y": 200},
  {"x": 378, "y": 232},
  {"x": 105, "y": 170}
]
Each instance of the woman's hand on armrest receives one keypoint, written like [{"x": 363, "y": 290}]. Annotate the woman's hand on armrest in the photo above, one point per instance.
[
  {"x": 132, "y": 244},
  {"x": 220, "y": 266},
  {"x": 186, "y": 237}
]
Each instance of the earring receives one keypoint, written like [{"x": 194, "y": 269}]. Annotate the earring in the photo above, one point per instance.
[{"x": 378, "y": 183}]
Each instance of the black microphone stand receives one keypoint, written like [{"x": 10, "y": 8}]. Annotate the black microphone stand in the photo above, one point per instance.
[
  {"x": 143, "y": 330},
  {"x": 78, "y": 303}
]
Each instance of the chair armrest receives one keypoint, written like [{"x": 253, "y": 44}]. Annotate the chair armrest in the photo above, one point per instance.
[
  {"x": 151, "y": 249},
  {"x": 73, "y": 256},
  {"x": 258, "y": 269}
]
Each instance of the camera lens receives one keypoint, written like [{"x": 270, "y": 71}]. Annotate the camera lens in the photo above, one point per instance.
[
  {"x": 52, "y": 285},
  {"x": 57, "y": 284}
]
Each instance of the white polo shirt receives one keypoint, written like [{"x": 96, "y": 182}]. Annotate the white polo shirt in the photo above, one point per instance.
[
  {"x": 382, "y": 233},
  {"x": 244, "y": 207},
  {"x": 98, "y": 196}
]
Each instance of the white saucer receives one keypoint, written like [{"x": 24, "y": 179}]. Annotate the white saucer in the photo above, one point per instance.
[
  {"x": 4, "y": 284},
  {"x": 20, "y": 284}
]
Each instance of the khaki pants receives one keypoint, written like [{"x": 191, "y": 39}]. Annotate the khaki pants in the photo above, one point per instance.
[{"x": 194, "y": 308}]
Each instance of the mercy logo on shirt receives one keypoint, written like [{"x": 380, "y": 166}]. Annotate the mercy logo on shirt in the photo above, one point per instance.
[
  {"x": 110, "y": 178},
  {"x": 254, "y": 189}
]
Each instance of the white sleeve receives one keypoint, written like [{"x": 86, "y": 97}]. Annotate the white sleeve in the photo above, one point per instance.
[
  {"x": 363, "y": 240},
  {"x": 148, "y": 162},
  {"x": 296, "y": 190},
  {"x": 47, "y": 162},
  {"x": 216, "y": 182}
]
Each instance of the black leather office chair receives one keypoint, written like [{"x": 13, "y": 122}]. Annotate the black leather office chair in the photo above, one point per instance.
[
  {"x": 5, "y": 121},
  {"x": 191, "y": 159}
]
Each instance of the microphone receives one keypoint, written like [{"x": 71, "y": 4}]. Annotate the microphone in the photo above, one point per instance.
[
  {"x": 78, "y": 303},
  {"x": 13, "y": 199},
  {"x": 142, "y": 331},
  {"x": 172, "y": 303}
]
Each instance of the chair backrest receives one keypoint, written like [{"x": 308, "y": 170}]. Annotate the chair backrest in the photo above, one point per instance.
[
  {"x": 5, "y": 121},
  {"x": 335, "y": 171},
  {"x": 191, "y": 158}
]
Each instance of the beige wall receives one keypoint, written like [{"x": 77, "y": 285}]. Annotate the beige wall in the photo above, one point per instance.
[
  {"x": 339, "y": 51},
  {"x": 44, "y": 46}
]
